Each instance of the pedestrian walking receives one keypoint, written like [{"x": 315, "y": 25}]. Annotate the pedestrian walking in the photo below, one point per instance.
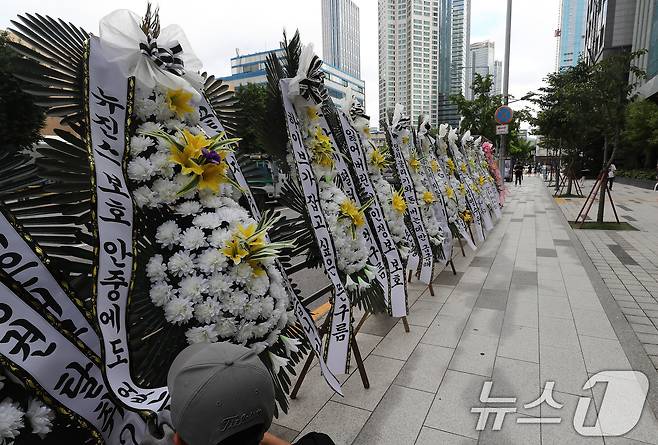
[
  {"x": 611, "y": 175},
  {"x": 518, "y": 174}
]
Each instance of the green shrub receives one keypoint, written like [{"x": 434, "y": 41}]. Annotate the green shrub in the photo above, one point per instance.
[{"x": 637, "y": 174}]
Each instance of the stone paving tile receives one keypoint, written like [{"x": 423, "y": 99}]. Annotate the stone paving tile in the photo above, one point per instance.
[
  {"x": 565, "y": 367},
  {"x": 398, "y": 418},
  {"x": 340, "y": 422},
  {"x": 399, "y": 344},
  {"x": 425, "y": 368},
  {"x": 519, "y": 342},
  {"x": 475, "y": 354},
  {"x": 445, "y": 330},
  {"x": 451, "y": 409},
  {"x": 431, "y": 436}
]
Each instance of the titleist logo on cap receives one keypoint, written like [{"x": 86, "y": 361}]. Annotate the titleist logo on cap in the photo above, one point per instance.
[{"x": 234, "y": 421}]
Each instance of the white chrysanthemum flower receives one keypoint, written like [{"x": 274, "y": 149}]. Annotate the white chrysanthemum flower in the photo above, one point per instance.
[
  {"x": 168, "y": 234},
  {"x": 161, "y": 164},
  {"x": 226, "y": 327},
  {"x": 212, "y": 261},
  {"x": 193, "y": 287},
  {"x": 267, "y": 306},
  {"x": 188, "y": 208},
  {"x": 244, "y": 271},
  {"x": 246, "y": 332},
  {"x": 139, "y": 144},
  {"x": 167, "y": 190},
  {"x": 149, "y": 127},
  {"x": 219, "y": 285},
  {"x": 140, "y": 169},
  {"x": 161, "y": 293},
  {"x": 40, "y": 416},
  {"x": 208, "y": 310},
  {"x": 235, "y": 303},
  {"x": 11, "y": 421},
  {"x": 156, "y": 270},
  {"x": 202, "y": 334},
  {"x": 252, "y": 309},
  {"x": 144, "y": 197},
  {"x": 181, "y": 264},
  {"x": 193, "y": 238},
  {"x": 219, "y": 237},
  {"x": 179, "y": 310},
  {"x": 207, "y": 220}
]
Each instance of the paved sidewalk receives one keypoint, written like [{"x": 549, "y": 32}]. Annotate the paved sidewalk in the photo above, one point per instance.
[
  {"x": 521, "y": 311},
  {"x": 627, "y": 260}
]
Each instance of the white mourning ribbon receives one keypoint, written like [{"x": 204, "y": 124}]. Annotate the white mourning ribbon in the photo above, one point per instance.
[
  {"x": 107, "y": 97},
  {"x": 167, "y": 60},
  {"x": 20, "y": 261},
  {"x": 211, "y": 125},
  {"x": 470, "y": 199},
  {"x": 421, "y": 238},
  {"x": 471, "y": 178},
  {"x": 337, "y": 352},
  {"x": 394, "y": 264},
  {"x": 66, "y": 374},
  {"x": 347, "y": 186}
]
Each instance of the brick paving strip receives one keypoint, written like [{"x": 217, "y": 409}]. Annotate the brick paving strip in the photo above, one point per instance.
[{"x": 528, "y": 307}]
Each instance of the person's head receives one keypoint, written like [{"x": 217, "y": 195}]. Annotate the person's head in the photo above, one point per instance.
[{"x": 221, "y": 394}]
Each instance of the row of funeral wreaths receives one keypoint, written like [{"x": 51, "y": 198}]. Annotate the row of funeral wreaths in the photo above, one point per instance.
[{"x": 156, "y": 147}]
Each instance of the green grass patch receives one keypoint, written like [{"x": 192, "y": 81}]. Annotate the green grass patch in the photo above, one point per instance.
[{"x": 607, "y": 225}]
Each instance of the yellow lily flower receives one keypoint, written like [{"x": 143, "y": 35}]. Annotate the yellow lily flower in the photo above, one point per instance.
[
  {"x": 398, "y": 203},
  {"x": 186, "y": 160},
  {"x": 195, "y": 143},
  {"x": 463, "y": 168},
  {"x": 428, "y": 197},
  {"x": 349, "y": 209},
  {"x": 256, "y": 268},
  {"x": 462, "y": 190},
  {"x": 235, "y": 251},
  {"x": 366, "y": 131},
  {"x": 414, "y": 163},
  {"x": 405, "y": 140},
  {"x": 247, "y": 233},
  {"x": 179, "y": 101},
  {"x": 466, "y": 216},
  {"x": 212, "y": 176},
  {"x": 481, "y": 180},
  {"x": 434, "y": 165},
  {"x": 450, "y": 192}
]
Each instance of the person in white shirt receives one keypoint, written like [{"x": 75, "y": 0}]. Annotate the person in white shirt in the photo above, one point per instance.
[{"x": 611, "y": 175}]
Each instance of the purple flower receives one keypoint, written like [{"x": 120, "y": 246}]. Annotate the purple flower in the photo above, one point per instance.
[{"x": 211, "y": 156}]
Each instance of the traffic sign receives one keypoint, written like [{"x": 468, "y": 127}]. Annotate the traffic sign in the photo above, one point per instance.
[
  {"x": 503, "y": 115},
  {"x": 502, "y": 129}
]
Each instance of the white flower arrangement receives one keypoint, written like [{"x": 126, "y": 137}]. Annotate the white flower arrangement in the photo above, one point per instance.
[
  {"x": 426, "y": 198},
  {"x": 345, "y": 219},
  {"x": 213, "y": 271},
  {"x": 391, "y": 201},
  {"x": 40, "y": 417},
  {"x": 11, "y": 421}
]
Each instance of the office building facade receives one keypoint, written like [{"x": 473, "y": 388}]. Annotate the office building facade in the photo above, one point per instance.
[
  {"x": 250, "y": 68},
  {"x": 498, "y": 77},
  {"x": 481, "y": 61},
  {"x": 609, "y": 27},
  {"x": 573, "y": 15},
  {"x": 645, "y": 36},
  {"x": 409, "y": 57},
  {"x": 454, "y": 47},
  {"x": 340, "y": 36}
]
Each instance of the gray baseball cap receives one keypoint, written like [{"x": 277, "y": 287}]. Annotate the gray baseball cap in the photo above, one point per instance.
[{"x": 218, "y": 390}]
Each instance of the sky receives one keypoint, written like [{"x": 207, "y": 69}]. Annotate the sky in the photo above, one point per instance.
[{"x": 217, "y": 29}]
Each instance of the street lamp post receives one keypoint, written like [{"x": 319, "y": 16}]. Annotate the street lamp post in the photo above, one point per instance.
[{"x": 508, "y": 32}]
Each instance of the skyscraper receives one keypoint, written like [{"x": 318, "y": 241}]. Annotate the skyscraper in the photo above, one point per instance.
[
  {"x": 454, "y": 43},
  {"x": 481, "y": 62},
  {"x": 573, "y": 17},
  {"x": 409, "y": 57},
  {"x": 340, "y": 36},
  {"x": 498, "y": 77}
]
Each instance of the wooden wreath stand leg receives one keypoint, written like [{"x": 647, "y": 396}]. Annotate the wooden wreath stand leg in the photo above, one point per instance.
[
  {"x": 461, "y": 246},
  {"x": 355, "y": 349}
]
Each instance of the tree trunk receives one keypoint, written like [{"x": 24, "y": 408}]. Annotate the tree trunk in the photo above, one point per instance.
[{"x": 604, "y": 182}]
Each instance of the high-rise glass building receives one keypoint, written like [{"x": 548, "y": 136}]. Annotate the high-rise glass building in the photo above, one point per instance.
[
  {"x": 409, "y": 57},
  {"x": 498, "y": 77},
  {"x": 573, "y": 17},
  {"x": 340, "y": 36},
  {"x": 454, "y": 43},
  {"x": 482, "y": 62}
]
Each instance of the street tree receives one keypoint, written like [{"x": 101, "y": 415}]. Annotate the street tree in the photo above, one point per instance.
[{"x": 640, "y": 137}]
